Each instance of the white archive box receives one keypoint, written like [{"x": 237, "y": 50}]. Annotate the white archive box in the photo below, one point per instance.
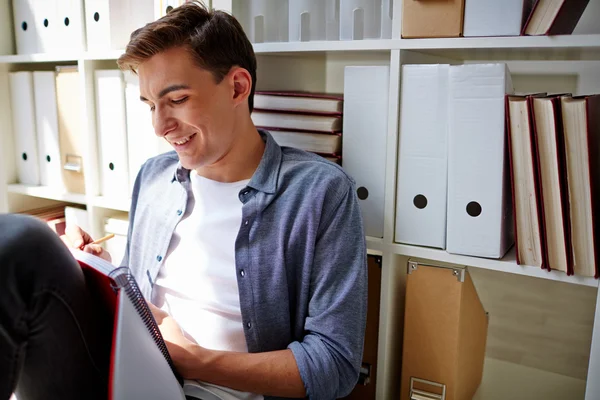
[
  {"x": 109, "y": 23},
  {"x": 70, "y": 22},
  {"x": 365, "y": 134},
  {"x": 45, "y": 17},
  {"x": 26, "y": 35},
  {"x": 480, "y": 219},
  {"x": 46, "y": 121},
  {"x": 112, "y": 133},
  {"x": 314, "y": 20},
  {"x": 24, "y": 129},
  {"x": 495, "y": 17},
  {"x": 365, "y": 19},
  {"x": 422, "y": 167}
]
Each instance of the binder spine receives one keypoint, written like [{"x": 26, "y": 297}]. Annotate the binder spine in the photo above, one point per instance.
[{"x": 124, "y": 280}]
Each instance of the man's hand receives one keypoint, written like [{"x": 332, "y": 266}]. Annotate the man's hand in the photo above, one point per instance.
[
  {"x": 183, "y": 351},
  {"x": 77, "y": 238}
]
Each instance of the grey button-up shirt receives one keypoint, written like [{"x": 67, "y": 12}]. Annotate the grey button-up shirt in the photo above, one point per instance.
[{"x": 300, "y": 258}]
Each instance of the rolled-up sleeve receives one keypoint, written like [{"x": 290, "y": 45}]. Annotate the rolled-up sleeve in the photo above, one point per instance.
[{"x": 330, "y": 355}]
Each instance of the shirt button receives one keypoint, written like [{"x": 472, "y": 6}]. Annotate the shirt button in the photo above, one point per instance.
[
  {"x": 246, "y": 222},
  {"x": 243, "y": 273},
  {"x": 179, "y": 212},
  {"x": 249, "y": 325},
  {"x": 245, "y": 192},
  {"x": 159, "y": 258}
]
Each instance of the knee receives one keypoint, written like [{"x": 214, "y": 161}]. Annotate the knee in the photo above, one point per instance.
[{"x": 23, "y": 233}]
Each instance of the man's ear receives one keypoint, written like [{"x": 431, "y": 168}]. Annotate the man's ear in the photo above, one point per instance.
[{"x": 242, "y": 84}]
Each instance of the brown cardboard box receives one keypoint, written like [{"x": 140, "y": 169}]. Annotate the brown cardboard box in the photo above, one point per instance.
[
  {"x": 445, "y": 331},
  {"x": 365, "y": 388},
  {"x": 432, "y": 18}
]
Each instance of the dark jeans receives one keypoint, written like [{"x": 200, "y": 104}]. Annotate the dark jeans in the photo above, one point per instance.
[{"x": 52, "y": 346}]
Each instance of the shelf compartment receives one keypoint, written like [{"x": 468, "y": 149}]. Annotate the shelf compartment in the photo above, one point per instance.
[{"x": 507, "y": 264}]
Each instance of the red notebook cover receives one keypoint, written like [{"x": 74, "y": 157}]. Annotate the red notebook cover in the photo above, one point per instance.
[
  {"x": 536, "y": 177},
  {"x": 566, "y": 19},
  {"x": 562, "y": 172},
  {"x": 101, "y": 287}
]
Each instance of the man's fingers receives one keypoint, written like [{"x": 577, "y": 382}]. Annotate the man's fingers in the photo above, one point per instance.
[{"x": 77, "y": 236}]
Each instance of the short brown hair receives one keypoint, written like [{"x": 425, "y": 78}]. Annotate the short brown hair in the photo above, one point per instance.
[{"x": 216, "y": 41}]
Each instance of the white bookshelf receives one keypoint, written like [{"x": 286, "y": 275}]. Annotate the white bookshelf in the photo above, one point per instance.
[{"x": 318, "y": 66}]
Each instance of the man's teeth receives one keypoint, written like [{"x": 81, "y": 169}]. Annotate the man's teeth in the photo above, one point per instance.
[{"x": 184, "y": 141}]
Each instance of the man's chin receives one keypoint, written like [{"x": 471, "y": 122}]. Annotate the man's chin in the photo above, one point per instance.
[{"x": 191, "y": 162}]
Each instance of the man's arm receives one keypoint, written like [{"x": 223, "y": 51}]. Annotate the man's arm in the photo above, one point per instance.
[{"x": 272, "y": 373}]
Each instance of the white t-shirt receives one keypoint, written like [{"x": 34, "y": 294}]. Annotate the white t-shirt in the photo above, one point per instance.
[{"x": 197, "y": 284}]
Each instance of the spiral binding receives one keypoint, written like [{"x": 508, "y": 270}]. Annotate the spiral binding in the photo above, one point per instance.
[{"x": 125, "y": 280}]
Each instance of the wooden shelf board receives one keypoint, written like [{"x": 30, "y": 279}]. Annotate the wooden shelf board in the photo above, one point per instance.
[
  {"x": 507, "y": 264},
  {"x": 45, "y": 192}
]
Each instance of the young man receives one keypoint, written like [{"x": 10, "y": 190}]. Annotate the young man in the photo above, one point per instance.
[{"x": 252, "y": 255}]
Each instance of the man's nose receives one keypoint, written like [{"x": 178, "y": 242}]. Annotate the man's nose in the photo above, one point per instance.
[{"x": 163, "y": 122}]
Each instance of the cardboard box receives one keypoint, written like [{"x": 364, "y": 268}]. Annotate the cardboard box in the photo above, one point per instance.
[
  {"x": 431, "y": 19},
  {"x": 445, "y": 331}
]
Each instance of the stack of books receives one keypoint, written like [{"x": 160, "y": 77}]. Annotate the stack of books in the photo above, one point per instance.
[
  {"x": 554, "y": 149},
  {"x": 53, "y": 216},
  {"x": 303, "y": 120}
]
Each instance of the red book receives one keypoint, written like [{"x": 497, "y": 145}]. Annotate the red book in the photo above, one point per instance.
[
  {"x": 526, "y": 198},
  {"x": 554, "y": 18},
  {"x": 306, "y": 102},
  {"x": 581, "y": 127},
  {"x": 548, "y": 134}
]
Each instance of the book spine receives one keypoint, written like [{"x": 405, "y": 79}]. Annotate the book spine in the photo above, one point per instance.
[{"x": 124, "y": 280}]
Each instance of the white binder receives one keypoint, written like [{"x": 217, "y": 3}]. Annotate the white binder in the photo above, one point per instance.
[
  {"x": 480, "y": 219},
  {"x": 24, "y": 132},
  {"x": 109, "y": 23},
  {"x": 112, "y": 133},
  {"x": 46, "y": 121},
  {"x": 422, "y": 166},
  {"x": 46, "y": 22},
  {"x": 26, "y": 35},
  {"x": 360, "y": 19},
  {"x": 313, "y": 20},
  {"x": 364, "y": 136},
  {"x": 139, "y": 129},
  {"x": 71, "y": 27},
  {"x": 97, "y": 25}
]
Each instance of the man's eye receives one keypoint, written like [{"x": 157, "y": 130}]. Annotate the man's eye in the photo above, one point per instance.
[{"x": 179, "y": 101}]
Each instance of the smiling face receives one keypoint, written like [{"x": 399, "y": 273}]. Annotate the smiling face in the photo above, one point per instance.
[{"x": 196, "y": 115}]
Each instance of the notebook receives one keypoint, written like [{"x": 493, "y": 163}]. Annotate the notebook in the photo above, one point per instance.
[{"x": 140, "y": 366}]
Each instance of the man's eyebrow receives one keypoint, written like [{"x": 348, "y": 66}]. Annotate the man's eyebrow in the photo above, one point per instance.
[{"x": 167, "y": 90}]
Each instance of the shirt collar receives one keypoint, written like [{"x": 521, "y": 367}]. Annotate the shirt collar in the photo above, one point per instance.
[{"x": 266, "y": 174}]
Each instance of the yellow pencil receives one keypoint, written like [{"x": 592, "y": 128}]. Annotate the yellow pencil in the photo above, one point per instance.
[{"x": 104, "y": 239}]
